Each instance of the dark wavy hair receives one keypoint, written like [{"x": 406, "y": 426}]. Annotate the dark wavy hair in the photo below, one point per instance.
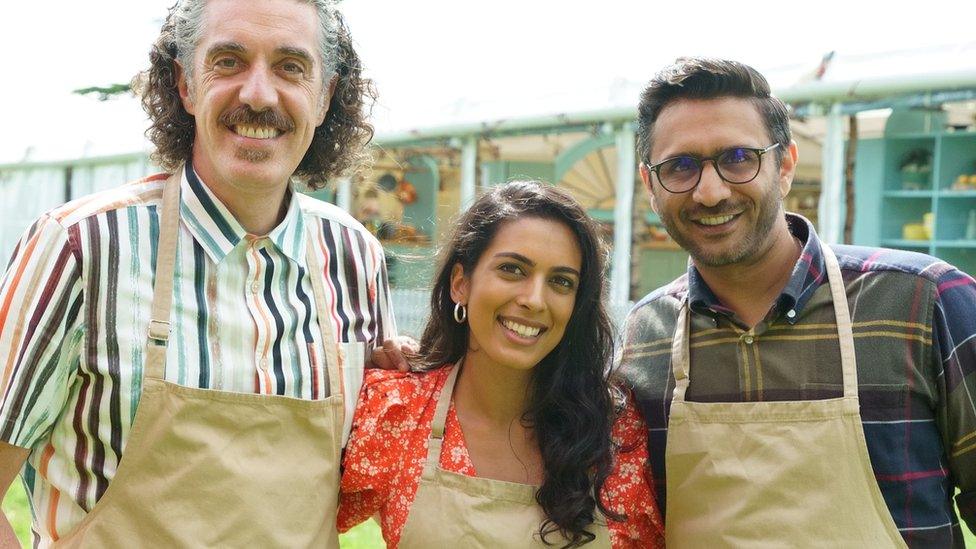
[
  {"x": 705, "y": 78},
  {"x": 338, "y": 145},
  {"x": 572, "y": 402}
]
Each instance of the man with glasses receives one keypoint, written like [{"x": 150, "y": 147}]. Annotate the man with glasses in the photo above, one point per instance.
[{"x": 795, "y": 393}]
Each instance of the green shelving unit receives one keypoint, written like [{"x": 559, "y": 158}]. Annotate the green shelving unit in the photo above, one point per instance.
[{"x": 889, "y": 197}]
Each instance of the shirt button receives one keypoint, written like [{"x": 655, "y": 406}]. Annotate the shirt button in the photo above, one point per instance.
[
  {"x": 255, "y": 287},
  {"x": 264, "y": 363},
  {"x": 790, "y": 314},
  {"x": 748, "y": 339}
]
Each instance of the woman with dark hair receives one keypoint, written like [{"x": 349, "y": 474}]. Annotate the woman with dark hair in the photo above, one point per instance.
[{"x": 512, "y": 427}]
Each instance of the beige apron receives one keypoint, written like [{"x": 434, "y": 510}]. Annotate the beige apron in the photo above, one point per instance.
[
  {"x": 206, "y": 468},
  {"x": 454, "y": 510},
  {"x": 773, "y": 474}
]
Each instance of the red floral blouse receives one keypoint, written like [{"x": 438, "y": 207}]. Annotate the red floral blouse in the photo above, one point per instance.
[{"x": 384, "y": 459}]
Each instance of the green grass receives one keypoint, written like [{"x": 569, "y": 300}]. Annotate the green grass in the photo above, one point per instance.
[
  {"x": 18, "y": 511},
  {"x": 364, "y": 536}
]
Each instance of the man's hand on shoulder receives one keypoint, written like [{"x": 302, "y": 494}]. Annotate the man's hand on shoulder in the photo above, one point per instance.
[{"x": 393, "y": 354}]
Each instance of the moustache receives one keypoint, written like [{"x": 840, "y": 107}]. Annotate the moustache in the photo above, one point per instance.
[{"x": 245, "y": 115}]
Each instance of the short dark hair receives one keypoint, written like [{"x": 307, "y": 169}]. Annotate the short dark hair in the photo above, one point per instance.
[
  {"x": 572, "y": 403},
  {"x": 705, "y": 78}
]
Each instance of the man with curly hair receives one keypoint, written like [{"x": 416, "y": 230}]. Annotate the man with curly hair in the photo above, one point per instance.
[{"x": 204, "y": 323}]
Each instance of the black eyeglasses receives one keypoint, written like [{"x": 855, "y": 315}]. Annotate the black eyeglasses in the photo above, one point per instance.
[{"x": 737, "y": 165}]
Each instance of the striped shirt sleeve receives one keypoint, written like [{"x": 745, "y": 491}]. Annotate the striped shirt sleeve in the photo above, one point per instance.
[
  {"x": 41, "y": 332},
  {"x": 383, "y": 304},
  {"x": 954, "y": 331}
]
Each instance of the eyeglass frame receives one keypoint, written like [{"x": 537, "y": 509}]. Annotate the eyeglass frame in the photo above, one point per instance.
[{"x": 656, "y": 168}]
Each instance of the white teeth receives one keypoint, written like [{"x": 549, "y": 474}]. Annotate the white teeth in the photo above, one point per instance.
[
  {"x": 256, "y": 132},
  {"x": 521, "y": 329},
  {"x": 718, "y": 220}
]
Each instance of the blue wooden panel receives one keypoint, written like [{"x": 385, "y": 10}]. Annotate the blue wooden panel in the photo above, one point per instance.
[
  {"x": 496, "y": 172},
  {"x": 425, "y": 178},
  {"x": 898, "y": 151},
  {"x": 868, "y": 184},
  {"x": 531, "y": 170},
  {"x": 568, "y": 158},
  {"x": 659, "y": 267},
  {"x": 962, "y": 257},
  {"x": 958, "y": 157},
  {"x": 888, "y": 198}
]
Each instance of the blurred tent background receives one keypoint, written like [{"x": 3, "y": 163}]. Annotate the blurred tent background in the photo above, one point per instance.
[{"x": 473, "y": 95}]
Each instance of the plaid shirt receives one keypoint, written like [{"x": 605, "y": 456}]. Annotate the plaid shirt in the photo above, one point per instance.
[{"x": 914, "y": 328}]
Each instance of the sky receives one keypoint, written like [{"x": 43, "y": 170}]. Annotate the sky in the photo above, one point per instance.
[{"x": 441, "y": 61}]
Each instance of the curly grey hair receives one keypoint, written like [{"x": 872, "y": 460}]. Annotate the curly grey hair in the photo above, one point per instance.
[
  {"x": 188, "y": 22},
  {"x": 338, "y": 146}
]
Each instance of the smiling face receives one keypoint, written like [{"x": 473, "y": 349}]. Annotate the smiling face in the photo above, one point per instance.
[
  {"x": 257, "y": 92},
  {"x": 521, "y": 293},
  {"x": 719, "y": 223}
]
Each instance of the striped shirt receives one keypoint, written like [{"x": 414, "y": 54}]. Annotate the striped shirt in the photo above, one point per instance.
[
  {"x": 914, "y": 328},
  {"x": 74, "y": 314}
]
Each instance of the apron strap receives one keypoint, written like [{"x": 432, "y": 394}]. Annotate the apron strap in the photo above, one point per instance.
[
  {"x": 163, "y": 288},
  {"x": 681, "y": 351},
  {"x": 159, "y": 324},
  {"x": 680, "y": 343},
  {"x": 845, "y": 331},
  {"x": 440, "y": 418},
  {"x": 330, "y": 342}
]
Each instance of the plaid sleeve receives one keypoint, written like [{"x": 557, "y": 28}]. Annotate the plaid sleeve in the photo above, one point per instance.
[
  {"x": 40, "y": 332},
  {"x": 954, "y": 334}
]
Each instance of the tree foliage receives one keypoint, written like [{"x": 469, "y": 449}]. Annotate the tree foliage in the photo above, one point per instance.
[{"x": 104, "y": 93}]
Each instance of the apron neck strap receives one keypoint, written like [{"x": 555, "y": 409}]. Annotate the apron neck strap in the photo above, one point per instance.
[
  {"x": 845, "y": 331},
  {"x": 681, "y": 351},
  {"x": 444, "y": 402},
  {"x": 159, "y": 323},
  {"x": 681, "y": 348},
  {"x": 440, "y": 418},
  {"x": 329, "y": 340},
  {"x": 159, "y": 326}
]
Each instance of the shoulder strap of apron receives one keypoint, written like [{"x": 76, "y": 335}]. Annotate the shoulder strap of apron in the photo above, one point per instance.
[
  {"x": 845, "y": 331},
  {"x": 681, "y": 343},
  {"x": 681, "y": 351},
  {"x": 329, "y": 340},
  {"x": 163, "y": 289},
  {"x": 440, "y": 418},
  {"x": 159, "y": 324}
]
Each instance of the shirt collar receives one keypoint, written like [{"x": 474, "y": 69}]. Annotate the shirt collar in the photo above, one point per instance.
[
  {"x": 807, "y": 275},
  {"x": 289, "y": 235},
  {"x": 810, "y": 270},
  {"x": 218, "y": 232}
]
